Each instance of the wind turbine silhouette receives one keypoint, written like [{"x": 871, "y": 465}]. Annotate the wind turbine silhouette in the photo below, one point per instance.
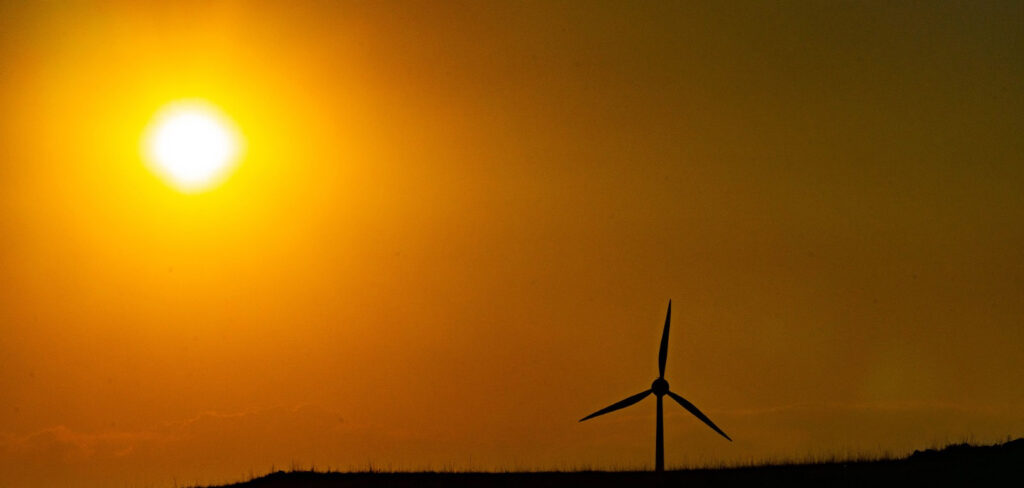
[{"x": 660, "y": 389}]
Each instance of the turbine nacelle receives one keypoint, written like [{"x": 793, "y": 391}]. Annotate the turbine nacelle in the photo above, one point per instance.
[{"x": 659, "y": 387}]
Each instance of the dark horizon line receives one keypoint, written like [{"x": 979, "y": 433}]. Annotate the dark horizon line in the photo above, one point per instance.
[{"x": 927, "y": 454}]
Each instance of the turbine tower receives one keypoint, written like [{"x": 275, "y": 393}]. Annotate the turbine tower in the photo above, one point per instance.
[{"x": 660, "y": 389}]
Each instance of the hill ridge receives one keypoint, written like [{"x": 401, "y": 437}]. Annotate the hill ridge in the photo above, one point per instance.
[{"x": 954, "y": 465}]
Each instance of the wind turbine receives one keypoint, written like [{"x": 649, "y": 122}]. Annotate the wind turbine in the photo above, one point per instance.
[{"x": 660, "y": 389}]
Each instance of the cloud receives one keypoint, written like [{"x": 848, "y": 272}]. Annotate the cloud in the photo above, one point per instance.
[
  {"x": 214, "y": 446},
  {"x": 210, "y": 446},
  {"x": 63, "y": 444}
]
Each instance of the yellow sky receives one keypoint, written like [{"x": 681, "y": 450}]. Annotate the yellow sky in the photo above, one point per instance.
[{"x": 456, "y": 227}]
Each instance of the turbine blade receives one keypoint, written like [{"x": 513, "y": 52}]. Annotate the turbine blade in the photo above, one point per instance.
[
  {"x": 697, "y": 413},
  {"x": 663, "y": 354},
  {"x": 615, "y": 406}
]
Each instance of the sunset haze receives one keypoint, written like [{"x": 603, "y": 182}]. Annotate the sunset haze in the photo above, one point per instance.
[{"x": 455, "y": 227}]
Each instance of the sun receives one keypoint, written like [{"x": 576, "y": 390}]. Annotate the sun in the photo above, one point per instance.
[{"x": 192, "y": 145}]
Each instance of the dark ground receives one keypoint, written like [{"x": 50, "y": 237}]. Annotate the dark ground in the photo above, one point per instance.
[{"x": 957, "y": 465}]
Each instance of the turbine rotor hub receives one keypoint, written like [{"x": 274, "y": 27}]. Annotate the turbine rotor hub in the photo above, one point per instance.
[{"x": 659, "y": 387}]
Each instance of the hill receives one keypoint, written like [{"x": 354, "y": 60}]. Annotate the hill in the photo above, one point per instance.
[{"x": 955, "y": 465}]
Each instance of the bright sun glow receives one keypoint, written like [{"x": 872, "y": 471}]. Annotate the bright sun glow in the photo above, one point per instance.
[{"x": 192, "y": 145}]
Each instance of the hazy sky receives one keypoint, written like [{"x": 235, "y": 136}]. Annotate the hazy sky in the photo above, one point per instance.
[{"x": 457, "y": 226}]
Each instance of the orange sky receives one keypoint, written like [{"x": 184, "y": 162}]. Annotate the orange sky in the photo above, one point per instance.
[{"x": 457, "y": 226}]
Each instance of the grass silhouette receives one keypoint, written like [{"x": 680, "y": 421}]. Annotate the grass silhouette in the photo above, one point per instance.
[{"x": 953, "y": 465}]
